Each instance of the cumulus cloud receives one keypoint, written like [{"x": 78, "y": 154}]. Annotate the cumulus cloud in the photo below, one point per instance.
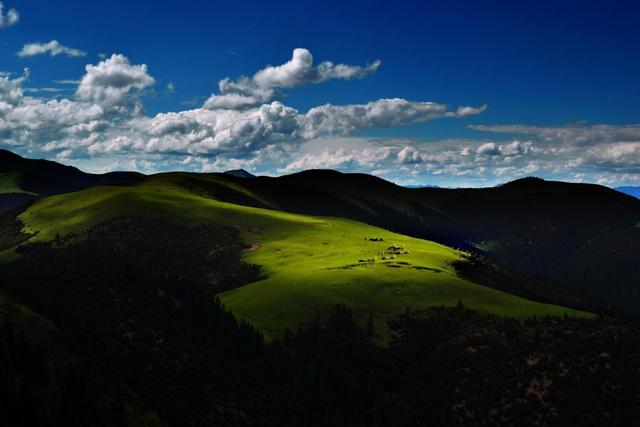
[
  {"x": 111, "y": 82},
  {"x": 341, "y": 158},
  {"x": 383, "y": 113},
  {"x": 202, "y": 131},
  {"x": 514, "y": 148},
  {"x": 105, "y": 117},
  {"x": 11, "y": 91},
  {"x": 263, "y": 86},
  {"x": 53, "y": 48},
  {"x": 8, "y": 19},
  {"x": 207, "y": 132},
  {"x": 68, "y": 127},
  {"x": 104, "y": 125}
]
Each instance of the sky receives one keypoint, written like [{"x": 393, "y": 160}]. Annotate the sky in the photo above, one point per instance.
[{"x": 455, "y": 94}]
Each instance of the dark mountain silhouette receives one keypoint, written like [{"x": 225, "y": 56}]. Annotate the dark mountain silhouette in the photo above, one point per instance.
[{"x": 44, "y": 178}]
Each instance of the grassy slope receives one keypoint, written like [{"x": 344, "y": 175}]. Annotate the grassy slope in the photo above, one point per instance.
[
  {"x": 9, "y": 183},
  {"x": 308, "y": 261}
]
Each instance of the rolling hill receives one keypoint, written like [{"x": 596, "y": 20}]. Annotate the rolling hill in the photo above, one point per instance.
[
  {"x": 121, "y": 280},
  {"x": 310, "y": 263},
  {"x": 530, "y": 225}
]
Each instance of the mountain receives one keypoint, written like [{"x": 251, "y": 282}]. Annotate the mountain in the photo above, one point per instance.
[
  {"x": 530, "y": 225},
  {"x": 23, "y": 180},
  {"x": 177, "y": 298},
  {"x": 632, "y": 191},
  {"x": 240, "y": 173},
  {"x": 304, "y": 258}
]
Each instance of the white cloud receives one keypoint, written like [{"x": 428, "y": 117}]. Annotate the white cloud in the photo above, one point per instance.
[
  {"x": 44, "y": 89},
  {"x": 409, "y": 155},
  {"x": 514, "y": 148},
  {"x": 171, "y": 88},
  {"x": 11, "y": 92},
  {"x": 383, "y": 113},
  {"x": 623, "y": 154},
  {"x": 571, "y": 134},
  {"x": 341, "y": 158},
  {"x": 111, "y": 82},
  {"x": 104, "y": 126},
  {"x": 53, "y": 48},
  {"x": 67, "y": 82},
  {"x": 246, "y": 92},
  {"x": 8, "y": 19}
]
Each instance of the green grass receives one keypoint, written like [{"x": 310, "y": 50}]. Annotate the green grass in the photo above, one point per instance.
[
  {"x": 310, "y": 263},
  {"x": 9, "y": 183}
]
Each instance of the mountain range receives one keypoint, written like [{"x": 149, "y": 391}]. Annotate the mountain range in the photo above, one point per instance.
[{"x": 184, "y": 293}]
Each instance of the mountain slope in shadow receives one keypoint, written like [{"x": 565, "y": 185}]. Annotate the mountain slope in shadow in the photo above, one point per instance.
[{"x": 27, "y": 179}]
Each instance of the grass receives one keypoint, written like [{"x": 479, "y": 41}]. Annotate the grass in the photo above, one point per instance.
[
  {"x": 310, "y": 263},
  {"x": 9, "y": 183}
]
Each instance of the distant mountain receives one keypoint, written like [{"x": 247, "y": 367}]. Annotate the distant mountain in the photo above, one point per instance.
[
  {"x": 240, "y": 173},
  {"x": 24, "y": 179},
  {"x": 632, "y": 191}
]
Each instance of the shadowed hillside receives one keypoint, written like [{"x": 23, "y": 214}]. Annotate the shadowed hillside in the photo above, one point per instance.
[{"x": 23, "y": 180}]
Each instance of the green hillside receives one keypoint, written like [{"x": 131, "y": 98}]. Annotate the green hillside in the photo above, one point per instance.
[
  {"x": 9, "y": 183},
  {"x": 310, "y": 263}
]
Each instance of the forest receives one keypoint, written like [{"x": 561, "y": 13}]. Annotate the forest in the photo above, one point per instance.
[{"x": 148, "y": 344}]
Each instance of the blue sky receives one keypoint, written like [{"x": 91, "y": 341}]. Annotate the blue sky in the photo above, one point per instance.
[{"x": 560, "y": 82}]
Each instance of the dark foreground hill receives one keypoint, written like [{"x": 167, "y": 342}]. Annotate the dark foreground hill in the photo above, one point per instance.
[{"x": 123, "y": 331}]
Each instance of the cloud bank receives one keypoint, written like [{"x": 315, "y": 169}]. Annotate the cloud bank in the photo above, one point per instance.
[
  {"x": 106, "y": 115},
  {"x": 103, "y": 125}
]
